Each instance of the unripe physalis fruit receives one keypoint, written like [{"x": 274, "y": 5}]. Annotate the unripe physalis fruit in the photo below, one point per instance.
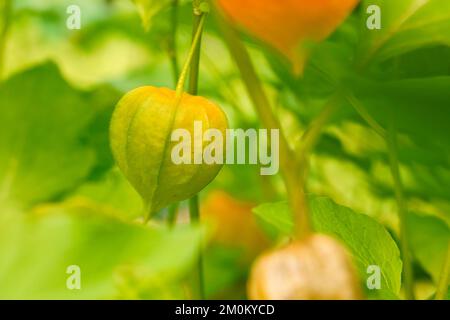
[
  {"x": 235, "y": 224},
  {"x": 142, "y": 144},
  {"x": 316, "y": 268},
  {"x": 290, "y": 26}
]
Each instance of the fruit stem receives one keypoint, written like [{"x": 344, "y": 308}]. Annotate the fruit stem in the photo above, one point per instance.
[
  {"x": 172, "y": 214},
  {"x": 172, "y": 50},
  {"x": 195, "y": 62},
  {"x": 442, "y": 286},
  {"x": 192, "y": 52},
  {"x": 194, "y": 210},
  {"x": 402, "y": 211},
  {"x": 390, "y": 138},
  {"x": 4, "y": 28},
  {"x": 194, "y": 214},
  {"x": 290, "y": 168}
]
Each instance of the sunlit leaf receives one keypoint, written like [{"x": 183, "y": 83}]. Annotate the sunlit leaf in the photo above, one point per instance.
[
  {"x": 43, "y": 123},
  {"x": 406, "y": 25}
]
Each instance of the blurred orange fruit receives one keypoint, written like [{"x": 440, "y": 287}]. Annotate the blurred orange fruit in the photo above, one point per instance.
[
  {"x": 235, "y": 225},
  {"x": 289, "y": 25},
  {"x": 316, "y": 268}
]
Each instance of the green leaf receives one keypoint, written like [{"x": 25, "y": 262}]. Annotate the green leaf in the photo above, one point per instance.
[
  {"x": 421, "y": 63},
  {"x": 275, "y": 218},
  {"x": 369, "y": 241},
  {"x": 35, "y": 251},
  {"x": 405, "y": 25},
  {"x": 113, "y": 192},
  {"x": 43, "y": 125},
  {"x": 103, "y": 100},
  {"x": 429, "y": 237},
  {"x": 419, "y": 107}
]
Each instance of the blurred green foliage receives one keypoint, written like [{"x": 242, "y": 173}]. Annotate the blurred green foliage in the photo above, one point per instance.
[{"x": 63, "y": 202}]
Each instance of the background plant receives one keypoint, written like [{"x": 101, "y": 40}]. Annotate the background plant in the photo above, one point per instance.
[{"x": 63, "y": 202}]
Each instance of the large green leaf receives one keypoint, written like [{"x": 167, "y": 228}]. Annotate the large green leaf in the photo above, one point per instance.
[
  {"x": 36, "y": 250},
  {"x": 421, "y": 63},
  {"x": 43, "y": 133},
  {"x": 369, "y": 241},
  {"x": 429, "y": 237},
  {"x": 406, "y": 25}
]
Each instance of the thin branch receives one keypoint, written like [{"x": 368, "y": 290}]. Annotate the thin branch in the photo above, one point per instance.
[
  {"x": 402, "y": 212},
  {"x": 362, "y": 111},
  {"x": 442, "y": 286},
  {"x": 291, "y": 171},
  {"x": 194, "y": 210},
  {"x": 314, "y": 130},
  {"x": 172, "y": 48}
]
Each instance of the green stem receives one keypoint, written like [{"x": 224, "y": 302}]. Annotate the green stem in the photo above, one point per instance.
[
  {"x": 195, "y": 63},
  {"x": 172, "y": 51},
  {"x": 355, "y": 103},
  {"x": 362, "y": 111},
  {"x": 173, "y": 40},
  {"x": 194, "y": 214},
  {"x": 291, "y": 171},
  {"x": 6, "y": 22},
  {"x": 314, "y": 130},
  {"x": 172, "y": 214},
  {"x": 402, "y": 212},
  {"x": 194, "y": 210},
  {"x": 391, "y": 140},
  {"x": 192, "y": 52},
  {"x": 442, "y": 286}
]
